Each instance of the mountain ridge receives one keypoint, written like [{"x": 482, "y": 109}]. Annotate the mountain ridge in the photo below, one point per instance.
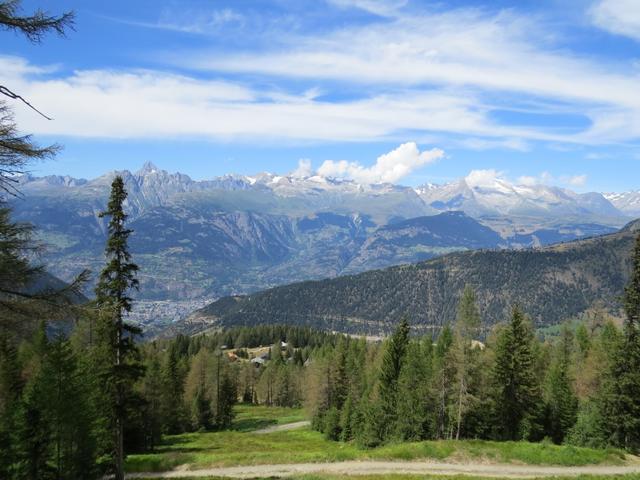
[
  {"x": 551, "y": 284},
  {"x": 196, "y": 240}
]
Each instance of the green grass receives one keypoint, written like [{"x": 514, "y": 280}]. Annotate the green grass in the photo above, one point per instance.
[
  {"x": 252, "y": 417},
  {"x": 241, "y": 447}
]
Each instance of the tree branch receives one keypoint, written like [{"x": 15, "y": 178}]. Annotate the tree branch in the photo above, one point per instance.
[{"x": 5, "y": 91}]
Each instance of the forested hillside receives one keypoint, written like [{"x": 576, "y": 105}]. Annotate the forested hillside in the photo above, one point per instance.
[{"x": 551, "y": 284}]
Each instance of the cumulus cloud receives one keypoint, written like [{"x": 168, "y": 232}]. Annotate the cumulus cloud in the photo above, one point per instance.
[
  {"x": 304, "y": 169},
  {"x": 621, "y": 17},
  {"x": 483, "y": 178},
  {"x": 389, "y": 167}
]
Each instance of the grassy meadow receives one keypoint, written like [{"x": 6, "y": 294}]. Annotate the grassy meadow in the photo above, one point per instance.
[{"x": 241, "y": 446}]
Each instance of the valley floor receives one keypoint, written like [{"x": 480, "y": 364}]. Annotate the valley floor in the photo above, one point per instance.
[{"x": 277, "y": 442}]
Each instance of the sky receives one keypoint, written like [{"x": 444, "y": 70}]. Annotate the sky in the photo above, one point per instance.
[{"x": 404, "y": 91}]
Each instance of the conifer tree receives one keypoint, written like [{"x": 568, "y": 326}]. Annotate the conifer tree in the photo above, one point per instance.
[
  {"x": 202, "y": 408},
  {"x": 443, "y": 381},
  {"x": 10, "y": 392},
  {"x": 392, "y": 361},
  {"x": 467, "y": 327},
  {"x": 71, "y": 444},
  {"x": 226, "y": 400},
  {"x": 562, "y": 403},
  {"x": 415, "y": 402},
  {"x": 113, "y": 291},
  {"x": 152, "y": 392},
  {"x": 517, "y": 391},
  {"x": 32, "y": 435},
  {"x": 173, "y": 380},
  {"x": 200, "y": 389},
  {"x": 621, "y": 396}
]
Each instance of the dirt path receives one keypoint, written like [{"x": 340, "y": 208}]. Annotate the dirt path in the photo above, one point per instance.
[
  {"x": 383, "y": 467},
  {"x": 284, "y": 427}
]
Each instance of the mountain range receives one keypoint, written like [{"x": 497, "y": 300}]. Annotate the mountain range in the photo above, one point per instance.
[
  {"x": 551, "y": 284},
  {"x": 200, "y": 240}
]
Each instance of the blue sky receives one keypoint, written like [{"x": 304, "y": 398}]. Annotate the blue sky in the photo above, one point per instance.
[{"x": 543, "y": 91}]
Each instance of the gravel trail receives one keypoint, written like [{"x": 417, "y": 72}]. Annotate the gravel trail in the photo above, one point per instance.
[
  {"x": 284, "y": 427},
  {"x": 368, "y": 467}
]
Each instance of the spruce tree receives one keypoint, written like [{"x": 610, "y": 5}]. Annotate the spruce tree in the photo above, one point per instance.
[
  {"x": 66, "y": 409},
  {"x": 226, "y": 400},
  {"x": 517, "y": 390},
  {"x": 173, "y": 380},
  {"x": 392, "y": 362},
  {"x": 152, "y": 392},
  {"x": 621, "y": 394},
  {"x": 113, "y": 290},
  {"x": 561, "y": 401},
  {"x": 415, "y": 401},
  {"x": 11, "y": 386}
]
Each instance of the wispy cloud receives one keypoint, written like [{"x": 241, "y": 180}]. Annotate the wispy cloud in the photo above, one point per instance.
[
  {"x": 479, "y": 54},
  {"x": 378, "y": 7},
  {"x": 621, "y": 17},
  {"x": 546, "y": 178},
  {"x": 152, "y": 104},
  {"x": 190, "y": 21},
  {"x": 417, "y": 74}
]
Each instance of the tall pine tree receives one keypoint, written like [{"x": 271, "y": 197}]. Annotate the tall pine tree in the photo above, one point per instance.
[
  {"x": 517, "y": 391},
  {"x": 393, "y": 360},
  {"x": 561, "y": 401},
  {"x": 113, "y": 290},
  {"x": 620, "y": 406}
]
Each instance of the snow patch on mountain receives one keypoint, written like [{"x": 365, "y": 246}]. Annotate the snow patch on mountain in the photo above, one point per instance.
[{"x": 627, "y": 202}]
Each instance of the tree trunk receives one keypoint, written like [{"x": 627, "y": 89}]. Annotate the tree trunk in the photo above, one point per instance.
[{"x": 119, "y": 453}]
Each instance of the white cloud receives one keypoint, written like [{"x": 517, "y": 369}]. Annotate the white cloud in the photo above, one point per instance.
[
  {"x": 153, "y": 104},
  {"x": 546, "y": 178},
  {"x": 389, "y": 168},
  {"x": 621, "y": 17},
  {"x": 304, "y": 169},
  {"x": 483, "y": 178},
  {"x": 188, "y": 21},
  {"x": 378, "y": 7},
  {"x": 528, "y": 180},
  {"x": 490, "y": 144},
  {"x": 577, "y": 180},
  {"x": 462, "y": 52},
  {"x": 428, "y": 74}
]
